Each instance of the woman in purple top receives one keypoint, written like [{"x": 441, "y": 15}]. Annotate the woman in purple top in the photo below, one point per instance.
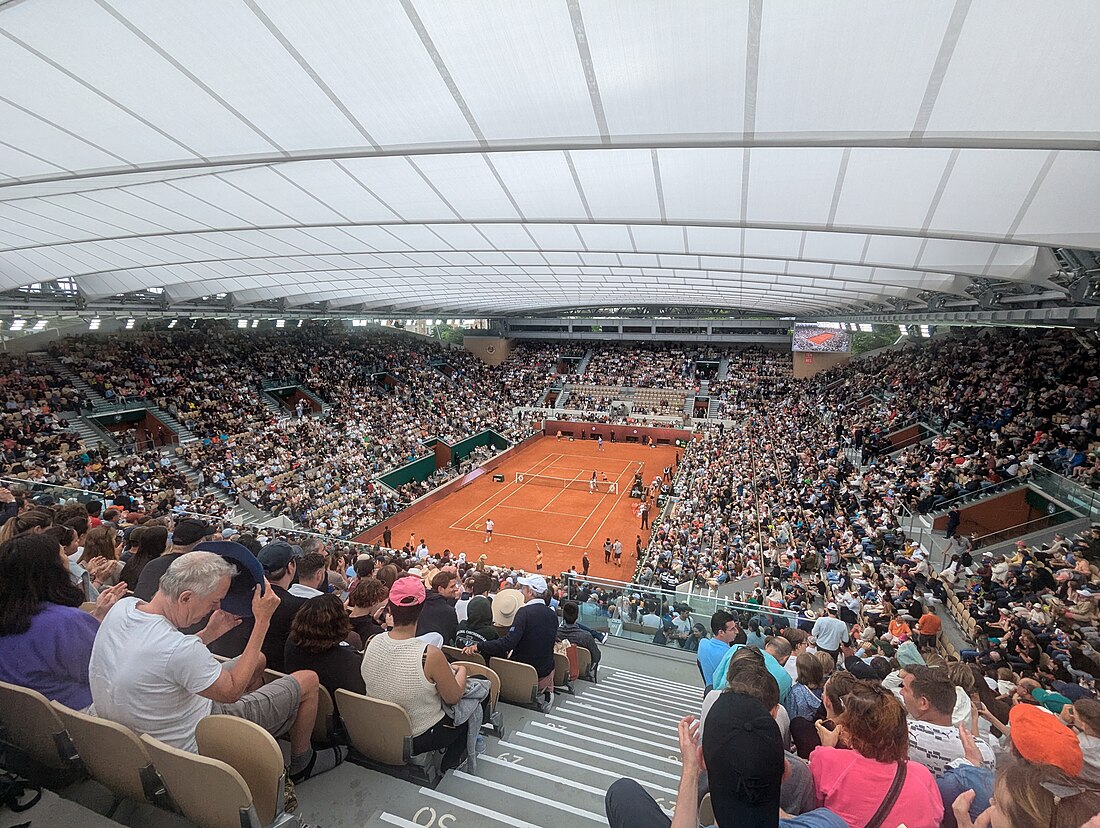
[{"x": 45, "y": 638}]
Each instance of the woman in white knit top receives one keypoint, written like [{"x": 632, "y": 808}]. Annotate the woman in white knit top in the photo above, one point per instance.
[{"x": 400, "y": 668}]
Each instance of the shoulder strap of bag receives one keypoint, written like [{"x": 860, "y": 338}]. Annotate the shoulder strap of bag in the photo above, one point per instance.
[{"x": 891, "y": 797}]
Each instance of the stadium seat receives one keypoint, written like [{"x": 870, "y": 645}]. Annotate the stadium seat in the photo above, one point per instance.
[
  {"x": 561, "y": 674},
  {"x": 115, "y": 758},
  {"x": 481, "y": 671},
  {"x": 706, "y": 811},
  {"x": 31, "y": 725},
  {"x": 519, "y": 683},
  {"x": 209, "y": 792},
  {"x": 455, "y": 654},
  {"x": 584, "y": 659},
  {"x": 324, "y": 727},
  {"x": 380, "y": 734},
  {"x": 253, "y": 753}
]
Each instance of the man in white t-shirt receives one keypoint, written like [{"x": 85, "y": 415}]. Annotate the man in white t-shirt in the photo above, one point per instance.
[
  {"x": 147, "y": 675},
  {"x": 929, "y": 698},
  {"x": 830, "y": 632}
]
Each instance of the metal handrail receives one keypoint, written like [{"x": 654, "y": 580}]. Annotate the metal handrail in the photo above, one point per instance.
[
  {"x": 978, "y": 494},
  {"x": 1019, "y": 529}
]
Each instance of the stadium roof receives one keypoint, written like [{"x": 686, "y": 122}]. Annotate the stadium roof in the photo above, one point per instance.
[{"x": 482, "y": 157}]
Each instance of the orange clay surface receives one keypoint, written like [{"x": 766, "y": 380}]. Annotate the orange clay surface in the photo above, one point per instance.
[{"x": 564, "y": 522}]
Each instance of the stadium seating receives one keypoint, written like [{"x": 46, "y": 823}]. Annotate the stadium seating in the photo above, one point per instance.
[{"x": 115, "y": 757}]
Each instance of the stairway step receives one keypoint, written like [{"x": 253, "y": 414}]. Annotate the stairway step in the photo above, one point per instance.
[
  {"x": 592, "y": 769},
  {"x": 636, "y": 766},
  {"x": 657, "y": 682},
  {"x": 662, "y": 757},
  {"x": 520, "y": 803},
  {"x": 654, "y": 743},
  {"x": 600, "y": 707},
  {"x": 470, "y": 813}
]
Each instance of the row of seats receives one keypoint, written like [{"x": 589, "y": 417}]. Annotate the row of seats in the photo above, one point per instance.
[{"x": 236, "y": 780}]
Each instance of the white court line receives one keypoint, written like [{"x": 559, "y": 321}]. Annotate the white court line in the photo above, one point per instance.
[
  {"x": 527, "y": 795},
  {"x": 601, "y": 756},
  {"x": 477, "y": 809},
  {"x": 563, "y": 491},
  {"x": 496, "y": 492},
  {"x": 512, "y": 748},
  {"x": 618, "y": 499}
]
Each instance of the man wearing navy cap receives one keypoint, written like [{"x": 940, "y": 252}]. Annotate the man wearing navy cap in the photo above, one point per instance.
[{"x": 279, "y": 560}]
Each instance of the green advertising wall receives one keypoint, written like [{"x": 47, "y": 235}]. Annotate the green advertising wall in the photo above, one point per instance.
[
  {"x": 461, "y": 450},
  {"x": 422, "y": 468}
]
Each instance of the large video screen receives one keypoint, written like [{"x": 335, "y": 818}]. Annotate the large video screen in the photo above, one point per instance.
[{"x": 819, "y": 339}]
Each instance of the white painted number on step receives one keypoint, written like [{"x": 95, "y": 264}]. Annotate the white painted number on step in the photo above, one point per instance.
[
  {"x": 510, "y": 757},
  {"x": 444, "y": 820},
  {"x": 553, "y": 726}
]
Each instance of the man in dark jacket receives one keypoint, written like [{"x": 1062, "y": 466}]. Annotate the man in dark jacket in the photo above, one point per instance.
[
  {"x": 439, "y": 614},
  {"x": 574, "y": 633},
  {"x": 280, "y": 562},
  {"x": 531, "y": 637}
]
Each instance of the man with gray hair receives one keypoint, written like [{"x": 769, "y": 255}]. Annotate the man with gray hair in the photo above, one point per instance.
[{"x": 147, "y": 675}]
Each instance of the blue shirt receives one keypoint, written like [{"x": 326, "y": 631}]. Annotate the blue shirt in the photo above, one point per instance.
[
  {"x": 710, "y": 655},
  {"x": 781, "y": 676}
]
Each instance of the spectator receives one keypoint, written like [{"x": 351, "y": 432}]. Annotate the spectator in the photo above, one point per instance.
[
  {"x": 400, "y": 668},
  {"x": 318, "y": 642},
  {"x": 438, "y": 614},
  {"x": 776, "y": 652},
  {"x": 531, "y": 637},
  {"x": 367, "y": 608},
  {"x": 478, "y": 626},
  {"x": 929, "y": 697},
  {"x": 571, "y": 631},
  {"x": 1084, "y": 717},
  {"x": 186, "y": 535},
  {"x": 805, "y": 697},
  {"x": 149, "y": 676},
  {"x": 279, "y": 560},
  {"x": 875, "y": 778},
  {"x": 711, "y": 651},
  {"x": 45, "y": 638},
  {"x": 312, "y": 575},
  {"x": 830, "y": 632},
  {"x": 150, "y": 542},
  {"x": 928, "y": 627}
]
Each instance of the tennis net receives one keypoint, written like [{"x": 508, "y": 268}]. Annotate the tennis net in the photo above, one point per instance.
[{"x": 601, "y": 486}]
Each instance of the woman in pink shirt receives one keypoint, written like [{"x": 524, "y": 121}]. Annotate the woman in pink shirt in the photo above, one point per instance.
[{"x": 855, "y": 784}]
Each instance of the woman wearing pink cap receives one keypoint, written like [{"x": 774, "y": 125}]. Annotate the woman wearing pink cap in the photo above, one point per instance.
[{"x": 400, "y": 668}]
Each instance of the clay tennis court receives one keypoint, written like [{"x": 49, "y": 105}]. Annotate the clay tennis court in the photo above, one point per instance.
[{"x": 561, "y": 515}]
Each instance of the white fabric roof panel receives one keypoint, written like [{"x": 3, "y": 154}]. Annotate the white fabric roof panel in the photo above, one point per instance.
[{"x": 766, "y": 152}]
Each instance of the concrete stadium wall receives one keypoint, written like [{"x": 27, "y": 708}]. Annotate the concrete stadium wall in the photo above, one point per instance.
[{"x": 492, "y": 350}]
